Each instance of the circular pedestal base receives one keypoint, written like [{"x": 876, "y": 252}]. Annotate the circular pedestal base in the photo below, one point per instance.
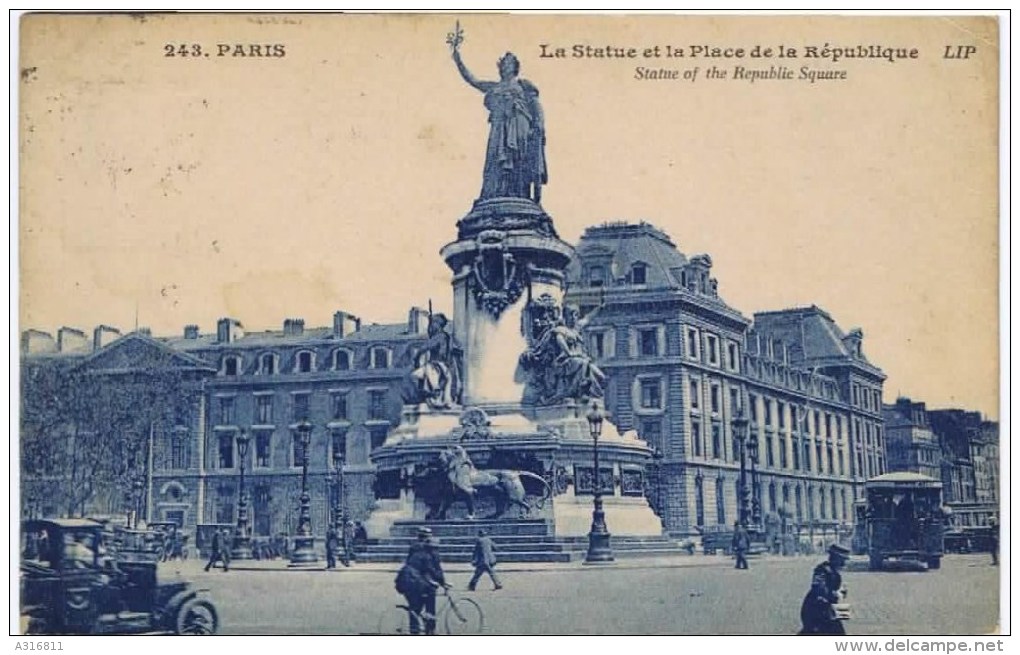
[
  {"x": 241, "y": 549},
  {"x": 599, "y": 550},
  {"x": 304, "y": 552}
]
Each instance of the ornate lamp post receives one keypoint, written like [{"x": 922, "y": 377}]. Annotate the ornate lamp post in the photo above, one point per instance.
[
  {"x": 304, "y": 543},
  {"x": 752, "y": 443},
  {"x": 599, "y": 550},
  {"x": 740, "y": 435},
  {"x": 136, "y": 486},
  {"x": 339, "y": 497},
  {"x": 241, "y": 546}
]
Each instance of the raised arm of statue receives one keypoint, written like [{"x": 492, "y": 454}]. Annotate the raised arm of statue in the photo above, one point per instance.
[{"x": 481, "y": 85}]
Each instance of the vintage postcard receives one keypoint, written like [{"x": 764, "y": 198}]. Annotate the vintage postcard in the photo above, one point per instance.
[{"x": 340, "y": 324}]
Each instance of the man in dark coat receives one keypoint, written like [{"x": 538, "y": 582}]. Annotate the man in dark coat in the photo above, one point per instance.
[
  {"x": 220, "y": 552},
  {"x": 423, "y": 557},
  {"x": 818, "y": 612},
  {"x": 741, "y": 544},
  {"x": 484, "y": 559},
  {"x": 331, "y": 547},
  {"x": 993, "y": 537}
]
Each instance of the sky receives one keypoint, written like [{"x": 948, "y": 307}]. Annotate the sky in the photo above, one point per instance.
[{"x": 182, "y": 189}]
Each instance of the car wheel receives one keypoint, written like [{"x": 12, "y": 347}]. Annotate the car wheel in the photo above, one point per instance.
[{"x": 197, "y": 617}]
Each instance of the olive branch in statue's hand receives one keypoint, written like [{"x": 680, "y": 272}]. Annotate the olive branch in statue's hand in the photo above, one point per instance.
[{"x": 456, "y": 37}]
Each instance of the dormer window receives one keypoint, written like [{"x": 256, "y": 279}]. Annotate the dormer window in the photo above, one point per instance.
[
  {"x": 639, "y": 274},
  {"x": 305, "y": 362},
  {"x": 379, "y": 357},
  {"x": 267, "y": 364},
  {"x": 342, "y": 360},
  {"x": 596, "y": 276},
  {"x": 231, "y": 365}
]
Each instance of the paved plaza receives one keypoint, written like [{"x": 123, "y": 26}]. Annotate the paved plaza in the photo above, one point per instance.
[{"x": 680, "y": 595}]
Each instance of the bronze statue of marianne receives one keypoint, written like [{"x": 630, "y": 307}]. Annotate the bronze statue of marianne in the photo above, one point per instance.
[{"x": 515, "y": 155}]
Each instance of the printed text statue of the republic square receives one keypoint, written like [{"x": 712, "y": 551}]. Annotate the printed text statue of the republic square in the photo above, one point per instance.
[{"x": 495, "y": 424}]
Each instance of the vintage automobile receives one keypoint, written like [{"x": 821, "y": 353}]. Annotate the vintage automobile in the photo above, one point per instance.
[
  {"x": 904, "y": 519},
  {"x": 72, "y": 584}
]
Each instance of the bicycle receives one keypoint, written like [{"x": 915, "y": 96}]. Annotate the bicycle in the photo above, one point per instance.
[{"x": 459, "y": 616}]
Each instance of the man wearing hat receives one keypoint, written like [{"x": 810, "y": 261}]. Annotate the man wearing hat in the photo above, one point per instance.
[
  {"x": 818, "y": 612},
  {"x": 423, "y": 558},
  {"x": 483, "y": 558}
]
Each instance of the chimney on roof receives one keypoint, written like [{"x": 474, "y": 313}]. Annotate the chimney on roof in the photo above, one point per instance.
[
  {"x": 228, "y": 330},
  {"x": 190, "y": 331},
  {"x": 345, "y": 324},
  {"x": 104, "y": 335},
  {"x": 293, "y": 327},
  {"x": 417, "y": 321},
  {"x": 34, "y": 342},
  {"x": 70, "y": 340},
  {"x": 145, "y": 332}
]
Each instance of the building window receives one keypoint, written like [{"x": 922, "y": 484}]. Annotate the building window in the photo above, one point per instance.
[
  {"x": 807, "y": 454},
  {"x": 304, "y": 362},
  {"x": 818, "y": 426},
  {"x": 231, "y": 365},
  {"x": 696, "y": 438},
  {"x": 828, "y": 459},
  {"x": 796, "y": 453},
  {"x": 260, "y": 509},
  {"x": 179, "y": 450},
  {"x": 596, "y": 276},
  {"x": 341, "y": 360},
  {"x": 781, "y": 414},
  {"x": 821, "y": 503},
  {"x": 267, "y": 364},
  {"x": 263, "y": 448},
  {"x": 712, "y": 344},
  {"x": 597, "y": 344},
  {"x": 380, "y": 357},
  {"x": 828, "y": 425},
  {"x": 799, "y": 501},
  {"x": 699, "y": 501},
  {"x": 782, "y": 451},
  {"x": 378, "y": 436},
  {"x": 638, "y": 274},
  {"x": 651, "y": 432},
  {"x": 651, "y": 394},
  {"x": 769, "y": 457},
  {"x": 225, "y": 504},
  {"x": 338, "y": 403},
  {"x": 767, "y": 403},
  {"x": 301, "y": 406},
  {"x": 377, "y": 405},
  {"x": 832, "y": 503},
  {"x": 734, "y": 400},
  {"x": 818, "y": 457},
  {"x": 338, "y": 443},
  {"x": 264, "y": 410},
  {"x": 731, "y": 351},
  {"x": 720, "y": 502},
  {"x": 693, "y": 351},
  {"x": 648, "y": 342},
  {"x": 752, "y": 402},
  {"x": 716, "y": 441},
  {"x": 842, "y": 503},
  {"x": 772, "y": 496},
  {"x": 226, "y": 416},
  {"x": 695, "y": 394},
  {"x": 714, "y": 398},
  {"x": 810, "y": 503},
  {"x": 226, "y": 451},
  {"x": 297, "y": 449}
]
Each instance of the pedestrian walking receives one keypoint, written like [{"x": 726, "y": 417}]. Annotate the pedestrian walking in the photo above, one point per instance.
[
  {"x": 418, "y": 580},
  {"x": 741, "y": 544},
  {"x": 993, "y": 538},
  {"x": 332, "y": 544},
  {"x": 219, "y": 552},
  {"x": 818, "y": 613},
  {"x": 484, "y": 560},
  {"x": 347, "y": 543}
]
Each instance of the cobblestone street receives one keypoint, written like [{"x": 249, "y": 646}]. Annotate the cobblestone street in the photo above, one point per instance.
[{"x": 695, "y": 595}]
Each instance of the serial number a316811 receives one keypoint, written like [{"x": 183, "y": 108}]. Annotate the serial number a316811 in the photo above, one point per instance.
[{"x": 38, "y": 645}]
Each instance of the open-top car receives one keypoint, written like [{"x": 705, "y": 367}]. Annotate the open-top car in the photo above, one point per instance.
[{"x": 71, "y": 583}]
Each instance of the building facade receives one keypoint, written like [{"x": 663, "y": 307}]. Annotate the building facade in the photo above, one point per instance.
[
  {"x": 969, "y": 465},
  {"x": 346, "y": 380},
  {"x": 911, "y": 444},
  {"x": 682, "y": 364}
]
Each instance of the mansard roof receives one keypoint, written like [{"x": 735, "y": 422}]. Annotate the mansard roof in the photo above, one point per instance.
[
  {"x": 138, "y": 352},
  {"x": 812, "y": 337},
  {"x": 275, "y": 338},
  {"x": 626, "y": 244}
]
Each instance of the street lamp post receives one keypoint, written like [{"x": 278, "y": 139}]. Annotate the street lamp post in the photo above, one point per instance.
[
  {"x": 304, "y": 543},
  {"x": 752, "y": 443},
  {"x": 740, "y": 434},
  {"x": 339, "y": 497},
  {"x": 599, "y": 549},
  {"x": 137, "y": 485},
  {"x": 241, "y": 547}
]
